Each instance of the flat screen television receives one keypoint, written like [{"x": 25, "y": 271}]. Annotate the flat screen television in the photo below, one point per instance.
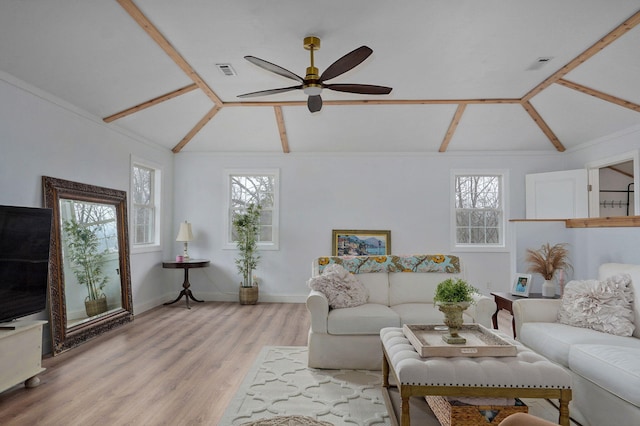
[{"x": 25, "y": 235}]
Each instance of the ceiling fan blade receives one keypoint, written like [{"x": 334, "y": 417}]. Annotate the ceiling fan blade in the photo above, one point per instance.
[
  {"x": 269, "y": 92},
  {"x": 347, "y": 62},
  {"x": 314, "y": 103},
  {"x": 273, "y": 68},
  {"x": 365, "y": 89}
]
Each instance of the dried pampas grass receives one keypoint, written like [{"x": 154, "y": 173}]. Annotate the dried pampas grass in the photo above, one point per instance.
[{"x": 547, "y": 259}]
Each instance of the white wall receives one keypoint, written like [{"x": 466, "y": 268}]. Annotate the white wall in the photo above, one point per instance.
[
  {"x": 43, "y": 136},
  {"x": 407, "y": 194}
]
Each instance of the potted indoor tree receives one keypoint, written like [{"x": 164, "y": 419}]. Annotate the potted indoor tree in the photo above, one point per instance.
[
  {"x": 86, "y": 262},
  {"x": 452, "y": 297},
  {"x": 546, "y": 261},
  {"x": 247, "y": 227}
]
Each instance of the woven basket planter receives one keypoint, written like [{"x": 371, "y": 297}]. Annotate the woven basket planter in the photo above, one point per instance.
[
  {"x": 248, "y": 295},
  {"x": 451, "y": 414},
  {"x": 95, "y": 307}
]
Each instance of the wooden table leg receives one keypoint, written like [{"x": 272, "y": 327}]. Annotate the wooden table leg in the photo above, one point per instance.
[
  {"x": 565, "y": 397},
  {"x": 385, "y": 369},
  {"x": 405, "y": 419}
]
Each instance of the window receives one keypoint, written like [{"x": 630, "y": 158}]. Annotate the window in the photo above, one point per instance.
[
  {"x": 478, "y": 214},
  {"x": 145, "y": 195},
  {"x": 254, "y": 187}
]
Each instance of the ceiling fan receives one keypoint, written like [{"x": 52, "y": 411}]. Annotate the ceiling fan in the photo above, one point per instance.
[{"x": 313, "y": 84}]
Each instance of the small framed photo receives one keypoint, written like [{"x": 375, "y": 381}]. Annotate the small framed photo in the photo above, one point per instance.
[
  {"x": 349, "y": 242},
  {"x": 521, "y": 285}
]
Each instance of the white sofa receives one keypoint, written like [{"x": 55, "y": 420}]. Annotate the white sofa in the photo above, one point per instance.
[
  {"x": 605, "y": 368},
  {"x": 401, "y": 290}
]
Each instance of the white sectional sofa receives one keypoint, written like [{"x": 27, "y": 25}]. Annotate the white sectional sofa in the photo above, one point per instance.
[
  {"x": 605, "y": 368},
  {"x": 401, "y": 290}
]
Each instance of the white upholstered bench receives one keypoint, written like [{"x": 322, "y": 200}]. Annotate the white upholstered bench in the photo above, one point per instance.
[{"x": 526, "y": 375}]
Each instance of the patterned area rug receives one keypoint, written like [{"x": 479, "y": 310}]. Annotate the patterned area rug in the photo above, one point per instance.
[
  {"x": 279, "y": 387},
  {"x": 288, "y": 421},
  {"x": 280, "y": 384}
]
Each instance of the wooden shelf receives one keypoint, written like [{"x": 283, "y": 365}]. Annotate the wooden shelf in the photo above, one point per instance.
[
  {"x": 604, "y": 222},
  {"x": 595, "y": 222}
]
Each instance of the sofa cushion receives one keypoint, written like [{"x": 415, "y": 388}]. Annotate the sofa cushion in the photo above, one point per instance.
[
  {"x": 614, "y": 368},
  {"x": 602, "y": 305},
  {"x": 378, "y": 286},
  {"x": 406, "y": 287},
  {"x": 343, "y": 290},
  {"x": 553, "y": 340},
  {"x": 364, "y": 319},
  {"x": 422, "y": 313},
  {"x": 609, "y": 269}
]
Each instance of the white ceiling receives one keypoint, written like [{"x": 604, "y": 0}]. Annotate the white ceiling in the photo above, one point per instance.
[{"x": 94, "y": 55}]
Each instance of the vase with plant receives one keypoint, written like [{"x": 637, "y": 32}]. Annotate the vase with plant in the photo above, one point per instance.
[
  {"x": 86, "y": 262},
  {"x": 452, "y": 297},
  {"x": 247, "y": 227},
  {"x": 546, "y": 261}
]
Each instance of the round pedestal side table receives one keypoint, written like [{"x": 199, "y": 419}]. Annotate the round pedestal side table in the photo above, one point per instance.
[{"x": 186, "y": 265}]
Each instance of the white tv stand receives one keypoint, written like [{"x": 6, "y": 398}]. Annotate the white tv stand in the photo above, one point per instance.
[{"x": 21, "y": 354}]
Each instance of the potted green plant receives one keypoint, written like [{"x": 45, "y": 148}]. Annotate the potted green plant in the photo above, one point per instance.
[
  {"x": 247, "y": 227},
  {"x": 452, "y": 297},
  {"x": 546, "y": 261},
  {"x": 86, "y": 262}
]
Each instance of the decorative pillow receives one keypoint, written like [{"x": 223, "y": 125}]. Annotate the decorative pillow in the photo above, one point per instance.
[
  {"x": 599, "y": 305},
  {"x": 343, "y": 290}
]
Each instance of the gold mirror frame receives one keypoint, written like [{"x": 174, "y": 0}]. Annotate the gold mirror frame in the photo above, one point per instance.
[{"x": 62, "y": 336}]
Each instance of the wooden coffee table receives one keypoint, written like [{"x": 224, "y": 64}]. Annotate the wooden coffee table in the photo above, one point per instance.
[{"x": 526, "y": 375}]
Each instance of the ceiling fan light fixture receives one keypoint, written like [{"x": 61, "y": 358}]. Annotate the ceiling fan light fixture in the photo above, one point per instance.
[
  {"x": 312, "y": 89},
  {"x": 313, "y": 84}
]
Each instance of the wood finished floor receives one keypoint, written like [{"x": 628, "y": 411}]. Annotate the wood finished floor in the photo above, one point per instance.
[{"x": 170, "y": 366}]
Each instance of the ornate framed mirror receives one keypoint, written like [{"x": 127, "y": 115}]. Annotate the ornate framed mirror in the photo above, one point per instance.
[{"x": 89, "y": 277}]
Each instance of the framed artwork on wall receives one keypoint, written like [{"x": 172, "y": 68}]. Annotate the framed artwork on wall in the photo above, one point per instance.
[
  {"x": 521, "y": 285},
  {"x": 349, "y": 242}
]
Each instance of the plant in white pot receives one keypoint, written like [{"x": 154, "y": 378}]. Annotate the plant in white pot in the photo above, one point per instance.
[
  {"x": 86, "y": 262},
  {"x": 452, "y": 297},
  {"x": 247, "y": 228},
  {"x": 546, "y": 261}
]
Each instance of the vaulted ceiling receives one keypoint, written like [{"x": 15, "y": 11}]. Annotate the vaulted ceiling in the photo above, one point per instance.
[{"x": 467, "y": 75}]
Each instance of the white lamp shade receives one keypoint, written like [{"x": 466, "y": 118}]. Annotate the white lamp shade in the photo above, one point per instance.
[{"x": 185, "y": 233}]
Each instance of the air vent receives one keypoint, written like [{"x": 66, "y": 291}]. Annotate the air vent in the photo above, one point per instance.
[
  {"x": 227, "y": 70},
  {"x": 539, "y": 63}
]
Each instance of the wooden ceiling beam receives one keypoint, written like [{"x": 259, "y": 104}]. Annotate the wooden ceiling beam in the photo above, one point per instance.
[
  {"x": 377, "y": 102},
  {"x": 203, "y": 121},
  {"x": 452, "y": 127},
  {"x": 543, "y": 126},
  {"x": 615, "y": 34},
  {"x": 622, "y": 172},
  {"x": 282, "y": 129},
  {"x": 164, "y": 44},
  {"x": 598, "y": 94},
  {"x": 150, "y": 103}
]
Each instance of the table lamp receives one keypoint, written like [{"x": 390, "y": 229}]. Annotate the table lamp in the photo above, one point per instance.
[{"x": 185, "y": 235}]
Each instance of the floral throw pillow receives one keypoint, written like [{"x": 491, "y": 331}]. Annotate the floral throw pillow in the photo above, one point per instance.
[
  {"x": 602, "y": 305},
  {"x": 343, "y": 290}
]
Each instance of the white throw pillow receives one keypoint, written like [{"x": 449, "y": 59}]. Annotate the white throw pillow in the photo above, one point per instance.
[
  {"x": 343, "y": 290},
  {"x": 599, "y": 305}
]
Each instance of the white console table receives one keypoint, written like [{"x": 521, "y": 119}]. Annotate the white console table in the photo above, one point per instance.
[{"x": 21, "y": 354}]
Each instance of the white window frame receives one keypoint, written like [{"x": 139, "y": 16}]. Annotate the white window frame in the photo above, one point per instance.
[
  {"x": 503, "y": 245},
  {"x": 275, "y": 173},
  {"x": 156, "y": 244}
]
